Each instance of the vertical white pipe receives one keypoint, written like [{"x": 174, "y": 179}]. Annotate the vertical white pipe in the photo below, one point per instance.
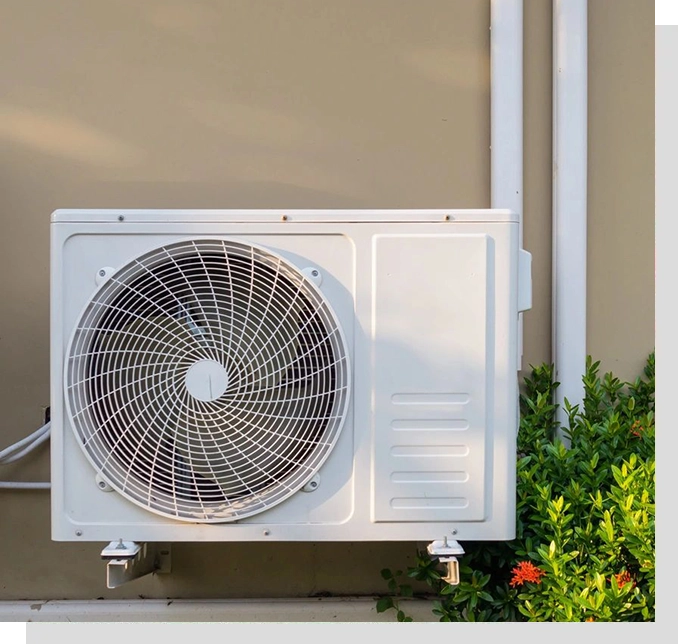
[
  {"x": 569, "y": 198},
  {"x": 506, "y": 105}
]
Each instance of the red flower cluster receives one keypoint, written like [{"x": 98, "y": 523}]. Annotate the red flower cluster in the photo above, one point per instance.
[
  {"x": 624, "y": 578},
  {"x": 526, "y": 571},
  {"x": 636, "y": 428}
]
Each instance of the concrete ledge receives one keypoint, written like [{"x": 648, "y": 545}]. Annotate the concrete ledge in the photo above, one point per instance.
[{"x": 227, "y": 610}]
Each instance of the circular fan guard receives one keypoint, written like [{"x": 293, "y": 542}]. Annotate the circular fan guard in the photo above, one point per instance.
[{"x": 207, "y": 380}]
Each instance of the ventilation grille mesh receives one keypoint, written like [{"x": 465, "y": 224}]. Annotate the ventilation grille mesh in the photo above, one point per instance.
[{"x": 207, "y": 380}]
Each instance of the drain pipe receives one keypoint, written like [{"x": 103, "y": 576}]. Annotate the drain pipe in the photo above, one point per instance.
[
  {"x": 569, "y": 199},
  {"x": 506, "y": 118}
]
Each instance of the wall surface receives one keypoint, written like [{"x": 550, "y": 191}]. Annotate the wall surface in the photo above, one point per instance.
[
  {"x": 621, "y": 290},
  {"x": 307, "y": 103}
]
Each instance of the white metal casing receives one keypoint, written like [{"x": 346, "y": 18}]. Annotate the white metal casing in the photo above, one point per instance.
[{"x": 428, "y": 301}]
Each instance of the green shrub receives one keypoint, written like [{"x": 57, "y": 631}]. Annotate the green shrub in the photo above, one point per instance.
[{"x": 585, "y": 534}]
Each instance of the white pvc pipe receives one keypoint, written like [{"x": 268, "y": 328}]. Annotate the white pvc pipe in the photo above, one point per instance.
[
  {"x": 506, "y": 109},
  {"x": 506, "y": 104},
  {"x": 569, "y": 198},
  {"x": 21, "y": 485}
]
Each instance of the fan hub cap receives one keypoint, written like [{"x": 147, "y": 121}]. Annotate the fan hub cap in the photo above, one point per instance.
[{"x": 206, "y": 380}]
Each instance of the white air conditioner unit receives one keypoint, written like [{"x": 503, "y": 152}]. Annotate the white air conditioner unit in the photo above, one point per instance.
[{"x": 259, "y": 375}]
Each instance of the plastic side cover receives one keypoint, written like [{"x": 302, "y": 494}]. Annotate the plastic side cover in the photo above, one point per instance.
[{"x": 524, "y": 281}]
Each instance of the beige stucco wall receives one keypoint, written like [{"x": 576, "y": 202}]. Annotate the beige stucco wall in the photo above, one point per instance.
[
  {"x": 620, "y": 294},
  {"x": 307, "y": 103}
]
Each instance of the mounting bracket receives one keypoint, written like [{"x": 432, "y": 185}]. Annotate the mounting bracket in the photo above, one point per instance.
[
  {"x": 129, "y": 560},
  {"x": 446, "y": 552}
]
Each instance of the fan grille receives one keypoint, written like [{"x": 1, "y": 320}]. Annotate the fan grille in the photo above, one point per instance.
[{"x": 207, "y": 380}]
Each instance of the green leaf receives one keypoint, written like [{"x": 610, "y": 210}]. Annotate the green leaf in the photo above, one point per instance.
[{"x": 384, "y": 604}]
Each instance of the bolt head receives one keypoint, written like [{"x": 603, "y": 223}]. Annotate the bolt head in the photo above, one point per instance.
[
  {"x": 78, "y": 533},
  {"x": 102, "y": 272},
  {"x": 121, "y": 218}
]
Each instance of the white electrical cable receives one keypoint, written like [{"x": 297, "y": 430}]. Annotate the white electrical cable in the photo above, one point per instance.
[
  {"x": 26, "y": 450},
  {"x": 20, "y": 449},
  {"x": 19, "y": 444}
]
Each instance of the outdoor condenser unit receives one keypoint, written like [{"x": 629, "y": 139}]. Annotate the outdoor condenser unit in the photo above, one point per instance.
[{"x": 292, "y": 375}]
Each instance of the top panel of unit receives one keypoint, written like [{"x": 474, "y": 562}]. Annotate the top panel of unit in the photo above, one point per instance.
[{"x": 291, "y": 216}]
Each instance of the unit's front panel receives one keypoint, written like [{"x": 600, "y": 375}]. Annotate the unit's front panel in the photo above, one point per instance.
[{"x": 427, "y": 310}]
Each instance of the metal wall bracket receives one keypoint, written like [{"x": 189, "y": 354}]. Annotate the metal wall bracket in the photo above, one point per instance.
[
  {"x": 446, "y": 552},
  {"x": 128, "y": 560}
]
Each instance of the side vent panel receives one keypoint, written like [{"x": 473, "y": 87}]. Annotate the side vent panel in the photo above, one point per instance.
[{"x": 429, "y": 422}]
